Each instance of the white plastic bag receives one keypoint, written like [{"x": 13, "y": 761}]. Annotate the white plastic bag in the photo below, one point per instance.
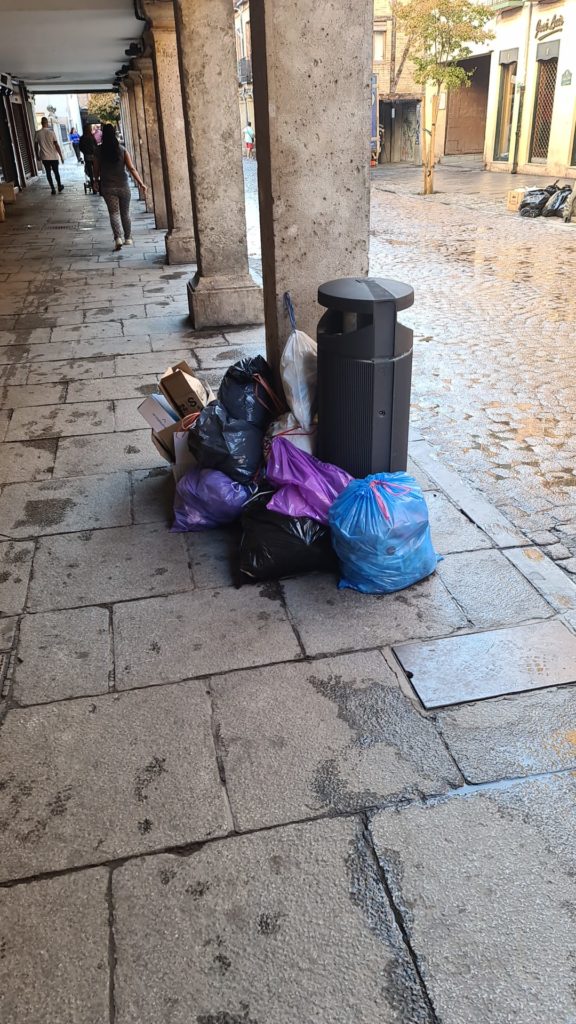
[
  {"x": 298, "y": 370},
  {"x": 287, "y": 426}
]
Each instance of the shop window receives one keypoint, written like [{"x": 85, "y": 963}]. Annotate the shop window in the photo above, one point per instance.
[
  {"x": 543, "y": 108},
  {"x": 505, "y": 108}
]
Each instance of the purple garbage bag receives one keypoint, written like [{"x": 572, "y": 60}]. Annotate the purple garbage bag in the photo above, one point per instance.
[
  {"x": 206, "y": 498},
  {"x": 308, "y": 487}
]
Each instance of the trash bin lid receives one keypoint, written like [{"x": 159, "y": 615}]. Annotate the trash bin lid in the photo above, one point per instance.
[{"x": 358, "y": 294}]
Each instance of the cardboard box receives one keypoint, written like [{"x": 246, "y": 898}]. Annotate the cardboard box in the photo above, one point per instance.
[
  {"x": 185, "y": 392},
  {"x": 158, "y": 412},
  {"x": 8, "y": 191},
  {"x": 515, "y": 197},
  {"x": 163, "y": 441},
  {"x": 184, "y": 458}
]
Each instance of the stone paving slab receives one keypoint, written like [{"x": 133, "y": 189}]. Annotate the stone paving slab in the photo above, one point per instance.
[
  {"x": 284, "y": 926},
  {"x": 14, "y": 397},
  {"x": 98, "y": 778},
  {"x": 217, "y": 357},
  {"x": 91, "y": 331},
  {"x": 54, "y": 943},
  {"x": 153, "y": 496},
  {"x": 15, "y": 565},
  {"x": 7, "y": 633},
  {"x": 451, "y": 530},
  {"x": 548, "y": 579},
  {"x": 490, "y": 590},
  {"x": 153, "y": 362},
  {"x": 62, "y": 506},
  {"x": 205, "y": 632},
  {"x": 214, "y": 557},
  {"x": 102, "y": 566},
  {"x": 475, "y": 666},
  {"x": 112, "y": 388},
  {"x": 485, "y": 884},
  {"x": 513, "y": 736},
  {"x": 16, "y": 374},
  {"x": 126, "y": 415},
  {"x": 5, "y": 417},
  {"x": 331, "y": 620},
  {"x": 106, "y": 453},
  {"x": 70, "y": 369},
  {"x": 333, "y": 735},
  {"x": 63, "y": 654},
  {"x": 27, "y": 460},
  {"x": 61, "y": 421}
]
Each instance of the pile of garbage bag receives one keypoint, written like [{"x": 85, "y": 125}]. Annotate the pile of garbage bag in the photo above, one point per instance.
[
  {"x": 551, "y": 201},
  {"x": 243, "y": 457}
]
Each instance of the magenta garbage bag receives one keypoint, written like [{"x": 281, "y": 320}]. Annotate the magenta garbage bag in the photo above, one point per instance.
[
  {"x": 206, "y": 498},
  {"x": 308, "y": 487}
]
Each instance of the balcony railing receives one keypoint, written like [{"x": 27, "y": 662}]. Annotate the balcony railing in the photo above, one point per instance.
[{"x": 245, "y": 70}]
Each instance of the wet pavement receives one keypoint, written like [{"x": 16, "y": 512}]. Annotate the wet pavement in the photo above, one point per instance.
[{"x": 285, "y": 802}]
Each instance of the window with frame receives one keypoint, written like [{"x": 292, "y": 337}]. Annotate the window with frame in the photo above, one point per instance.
[{"x": 379, "y": 47}]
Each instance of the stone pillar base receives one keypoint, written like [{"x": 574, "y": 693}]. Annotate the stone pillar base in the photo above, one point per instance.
[
  {"x": 224, "y": 302},
  {"x": 180, "y": 247}
]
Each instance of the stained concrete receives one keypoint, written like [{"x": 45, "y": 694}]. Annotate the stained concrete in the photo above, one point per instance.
[
  {"x": 106, "y": 453},
  {"x": 485, "y": 886},
  {"x": 239, "y": 932},
  {"x": 490, "y": 590},
  {"x": 335, "y": 735},
  {"x": 54, "y": 940},
  {"x": 63, "y": 654},
  {"x": 27, "y": 460},
  {"x": 62, "y": 506},
  {"x": 90, "y": 780},
  {"x": 15, "y": 565}
]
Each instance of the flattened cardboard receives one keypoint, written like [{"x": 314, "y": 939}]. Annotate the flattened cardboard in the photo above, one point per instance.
[{"x": 185, "y": 392}]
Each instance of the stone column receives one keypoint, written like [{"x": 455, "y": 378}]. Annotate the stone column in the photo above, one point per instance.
[
  {"x": 311, "y": 69},
  {"x": 134, "y": 140},
  {"x": 144, "y": 66},
  {"x": 143, "y": 140},
  {"x": 222, "y": 292},
  {"x": 180, "y": 240},
  {"x": 125, "y": 114}
]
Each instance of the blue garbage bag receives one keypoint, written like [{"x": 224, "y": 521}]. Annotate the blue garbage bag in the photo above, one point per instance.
[{"x": 381, "y": 534}]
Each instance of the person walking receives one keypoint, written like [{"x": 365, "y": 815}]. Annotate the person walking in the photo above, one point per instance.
[
  {"x": 249, "y": 139},
  {"x": 87, "y": 146},
  {"x": 49, "y": 152},
  {"x": 75, "y": 140},
  {"x": 110, "y": 165}
]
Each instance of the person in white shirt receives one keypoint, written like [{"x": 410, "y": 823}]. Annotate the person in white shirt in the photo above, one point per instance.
[
  {"x": 249, "y": 139},
  {"x": 50, "y": 153}
]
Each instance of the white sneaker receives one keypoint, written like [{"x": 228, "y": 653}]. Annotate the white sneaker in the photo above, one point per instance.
[
  {"x": 128, "y": 241},
  {"x": 118, "y": 243}
]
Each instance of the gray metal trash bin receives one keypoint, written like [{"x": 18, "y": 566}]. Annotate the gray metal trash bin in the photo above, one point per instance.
[{"x": 364, "y": 375}]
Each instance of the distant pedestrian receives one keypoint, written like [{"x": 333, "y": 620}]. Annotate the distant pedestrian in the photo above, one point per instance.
[
  {"x": 249, "y": 139},
  {"x": 49, "y": 152},
  {"x": 87, "y": 146},
  {"x": 75, "y": 140},
  {"x": 110, "y": 165}
]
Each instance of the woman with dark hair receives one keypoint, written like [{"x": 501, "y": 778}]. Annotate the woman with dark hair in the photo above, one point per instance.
[
  {"x": 88, "y": 149},
  {"x": 110, "y": 165}
]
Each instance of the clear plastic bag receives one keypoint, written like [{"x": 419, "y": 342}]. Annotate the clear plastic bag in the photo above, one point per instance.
[{"x": 298, "y": 371}]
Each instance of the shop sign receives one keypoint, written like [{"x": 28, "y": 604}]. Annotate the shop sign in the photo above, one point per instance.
[
  {"x": 566, "y": 78},
  {"x": 545, "y": 28}
]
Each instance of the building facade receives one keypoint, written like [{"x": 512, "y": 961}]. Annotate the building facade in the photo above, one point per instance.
[
  {"x": 519, "y": 113},
  {"x": 398, "y": 95},
  {"x": 243, "y": 38}
]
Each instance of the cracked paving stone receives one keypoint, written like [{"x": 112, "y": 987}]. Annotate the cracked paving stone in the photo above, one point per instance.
[
  {"x": 207, "y": 631},
  {"x": 63, "y": 654},
  {"x": 271, "y": 928},
  {"x": 54, "y": 950},
  {"x": 513, "y": 736},
  {"x": 102, "y": 566},
  {"x": 336, "y": 734},
  {"x": 490, "y": 590},
  {"x": 331, "y": 620},
  {"x": 486, "y": 886},
  {"x": 106, "y": 453},
  {"x": 62, "y": 506},
  {"x": 15, "y": 565},
  {"x": 451, "y": 529},
  {"x": 98, "y": 778}
]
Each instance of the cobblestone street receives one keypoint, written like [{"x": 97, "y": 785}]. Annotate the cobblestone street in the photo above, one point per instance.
[
  {"x": 495, "y": 362},
  {"x": 283, "y": 803}
]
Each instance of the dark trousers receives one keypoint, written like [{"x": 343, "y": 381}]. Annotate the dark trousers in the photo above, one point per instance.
[
  {"x": 76, "y": 148},
  {"x": 51, "y": 167}
]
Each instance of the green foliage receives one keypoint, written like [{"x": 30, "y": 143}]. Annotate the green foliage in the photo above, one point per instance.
[
  {"x": 105, "y": 106},
  {"x": 441, "y": 34}
]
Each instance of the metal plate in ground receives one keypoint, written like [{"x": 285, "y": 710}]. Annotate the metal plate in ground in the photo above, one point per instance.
[{"x": 490, "y": 664}]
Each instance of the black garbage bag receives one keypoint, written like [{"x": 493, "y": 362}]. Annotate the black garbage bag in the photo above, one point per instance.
[
  {"x": 219, "y": 441},
  {"x": 273, "y": 546},
  {"x": 247, "y": 392},
  {"x": 556, "y": 203},
  {"x": 535, "y": 200}
]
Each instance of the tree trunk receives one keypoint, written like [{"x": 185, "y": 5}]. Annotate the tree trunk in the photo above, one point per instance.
[
  {"x": 424, "y": 142},
  {"x": 432, "y": 156}
]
